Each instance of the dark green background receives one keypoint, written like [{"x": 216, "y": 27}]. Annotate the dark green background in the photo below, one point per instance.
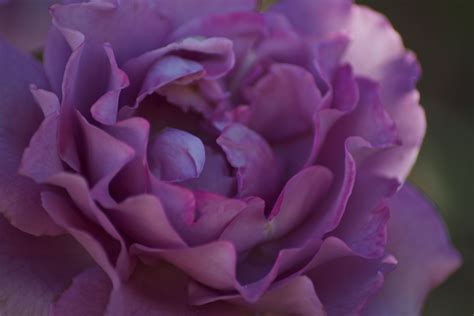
[
  {"x": 442, "y": 35},
  {"x": 441, "y": 32}
]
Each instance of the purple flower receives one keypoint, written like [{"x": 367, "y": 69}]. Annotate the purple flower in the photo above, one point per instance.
[{"x": 205, "y": 158}]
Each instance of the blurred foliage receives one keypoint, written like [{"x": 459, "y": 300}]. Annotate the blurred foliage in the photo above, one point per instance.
[{"x": 442, "y": 35}]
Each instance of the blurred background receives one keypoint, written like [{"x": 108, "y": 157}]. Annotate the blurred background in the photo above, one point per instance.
[{"x": 442, "y": 35}]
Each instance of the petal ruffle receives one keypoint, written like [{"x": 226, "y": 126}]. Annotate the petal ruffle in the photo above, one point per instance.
[
  {"x": 397, "y": 71},
  {"x": 343, "y": 280}
]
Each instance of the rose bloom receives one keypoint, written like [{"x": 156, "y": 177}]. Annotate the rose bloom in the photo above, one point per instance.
[{"x": 208, "y": 157}]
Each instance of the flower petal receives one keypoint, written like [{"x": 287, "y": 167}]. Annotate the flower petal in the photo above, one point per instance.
[
  {"x": 35, "y": 270},
  {"x": 143, "y": 219},
  {"x": 103, "y": 157},
  {"x": 419, "y": 241},
  {"x": 210, "y": 57},
  {"x": 298, "y": 200},
  {"x": 216, "y": 175},
  {"x": 41, "y": 158},
  {"x": 343, "y": 280},
  {"x": 180, "y": 11},
  {"x": 177, "y": 155},
  {"x": 364, "y": 224},
  {"x": 286, "y": 97},
  {"x": 215, "y": 213},
  {"x": 104, "y": 110},
  {"x": 135, "y": 133},
  {"x": 19, "y": 196},
  {"x": 296, "y": 297},
  {"x": 253, "y": 158},
  {"x": 101, "y": 22},
  {"x": 315, "y": 17},
  {"x": 397, "y": 72},
  {"x": 87, "y": 295},
  {"x": 160, "y": 290}
]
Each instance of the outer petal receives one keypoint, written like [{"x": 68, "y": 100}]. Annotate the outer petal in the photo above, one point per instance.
[
  {"x": 41, "y": 158},
  {"x": 397, "y": 71},
  {"x": 343, "y": 280},
  {"x": 34, "y": 270},
  {"x": 25, "y": 23},
  {"x": 210, "y": 57},
  {"x": 180, "y": 11},
  {"x": 100, "y": 22},
  {"x": 19, "y": 196},
  {"x": 418, "y": 239},
  {"x": 108, "y": 251},
  {"x": 315, "y": 17},
  {"x": 87, "y": 295}
]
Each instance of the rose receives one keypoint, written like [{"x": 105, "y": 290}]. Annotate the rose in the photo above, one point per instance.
[{"x": 211, "y": 159}]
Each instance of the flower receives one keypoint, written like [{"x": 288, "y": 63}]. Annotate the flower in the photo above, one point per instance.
[{"x": 207, "y": 158}]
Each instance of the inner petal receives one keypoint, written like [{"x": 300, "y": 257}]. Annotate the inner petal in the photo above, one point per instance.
[{"x": 176, "y": 155}]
